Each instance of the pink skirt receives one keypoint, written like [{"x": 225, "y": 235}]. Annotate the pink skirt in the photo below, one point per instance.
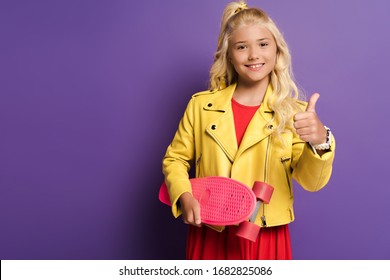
[{"x": 204, "y": 243}]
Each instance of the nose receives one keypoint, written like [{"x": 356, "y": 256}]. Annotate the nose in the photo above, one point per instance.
[{"x": 253, "y": 55}]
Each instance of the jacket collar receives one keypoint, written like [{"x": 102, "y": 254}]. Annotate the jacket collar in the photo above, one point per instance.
[
  {"x": 259, "y": 127},
  {"x": 221, "y": 101}
]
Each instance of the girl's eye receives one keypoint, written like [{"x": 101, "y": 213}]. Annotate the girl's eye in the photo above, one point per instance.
[
  {"x": 263, "y": 44},
  {"x": 241, "y": 47}
]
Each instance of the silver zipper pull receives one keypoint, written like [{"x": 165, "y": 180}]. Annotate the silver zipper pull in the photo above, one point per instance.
[
  {"x": 263, "y": 220},
  {"x": 198, "y": 160}
]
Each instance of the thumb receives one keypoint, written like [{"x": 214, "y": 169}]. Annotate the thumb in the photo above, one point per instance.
[{"x": 311, "y": 106}]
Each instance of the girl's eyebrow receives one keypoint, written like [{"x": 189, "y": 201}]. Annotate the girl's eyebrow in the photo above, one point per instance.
[{"x": 258, "y": 40}]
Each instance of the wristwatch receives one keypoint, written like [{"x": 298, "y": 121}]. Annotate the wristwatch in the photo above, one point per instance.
[{"x": 324, "y": 146}]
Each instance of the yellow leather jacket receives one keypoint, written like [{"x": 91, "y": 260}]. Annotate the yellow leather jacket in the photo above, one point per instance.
[{"x": 206, "y": 138}]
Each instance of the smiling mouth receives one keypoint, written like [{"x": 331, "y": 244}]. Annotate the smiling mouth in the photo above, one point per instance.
[{"x": 255, "y": 66}]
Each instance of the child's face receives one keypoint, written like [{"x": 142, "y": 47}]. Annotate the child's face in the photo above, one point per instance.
[{"x": 252, "y": 51}]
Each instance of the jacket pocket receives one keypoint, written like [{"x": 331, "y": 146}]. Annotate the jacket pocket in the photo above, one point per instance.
[{"x": 284, "y": 161}]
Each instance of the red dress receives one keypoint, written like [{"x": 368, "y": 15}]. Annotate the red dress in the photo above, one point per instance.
[{"x": 204, "y": 243}]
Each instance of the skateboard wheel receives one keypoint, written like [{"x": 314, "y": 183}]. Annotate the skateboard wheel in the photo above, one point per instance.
[
  {"x": 248, "y": 231},
  {"x": 263, "y": 191}
]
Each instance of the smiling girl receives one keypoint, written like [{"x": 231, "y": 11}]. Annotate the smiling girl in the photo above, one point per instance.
[{"x": 249, "y": 126}]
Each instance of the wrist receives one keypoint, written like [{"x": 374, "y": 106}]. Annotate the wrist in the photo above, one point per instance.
[{"x": 327, "y": 144}]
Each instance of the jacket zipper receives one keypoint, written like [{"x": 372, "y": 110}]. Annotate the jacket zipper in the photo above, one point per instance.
[
  {"x": 283, "y": 160},
  {"x": 263, "y": 217},
  {"x": 197, "y": 165},
  {"x": 198, "y": 160}
]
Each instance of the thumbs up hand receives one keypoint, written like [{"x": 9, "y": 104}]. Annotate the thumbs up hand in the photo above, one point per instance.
[{"x": 307, "y": 124}]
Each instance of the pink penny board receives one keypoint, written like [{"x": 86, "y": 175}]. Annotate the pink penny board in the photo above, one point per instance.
[{"x": 223, "y": 201}]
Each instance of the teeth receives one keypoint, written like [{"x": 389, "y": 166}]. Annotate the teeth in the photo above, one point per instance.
[{"x": 255, "y": 66}]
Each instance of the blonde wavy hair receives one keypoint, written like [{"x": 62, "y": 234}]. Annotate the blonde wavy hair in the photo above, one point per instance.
[{"x": 222, "y": 73}]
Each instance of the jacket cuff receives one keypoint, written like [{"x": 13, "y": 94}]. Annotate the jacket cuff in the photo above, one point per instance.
[{"x": 175, "y": 192}]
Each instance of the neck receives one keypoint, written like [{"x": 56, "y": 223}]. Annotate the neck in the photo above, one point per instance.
[{"x": 250, "y": 94}]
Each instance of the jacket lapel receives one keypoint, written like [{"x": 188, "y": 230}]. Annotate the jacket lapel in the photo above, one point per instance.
[
  {"x": 260, "y": 126},
  {"x": 222, "y": 129}
]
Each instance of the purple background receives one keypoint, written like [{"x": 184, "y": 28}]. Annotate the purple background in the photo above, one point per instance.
[{"x": 92, "y": 92}]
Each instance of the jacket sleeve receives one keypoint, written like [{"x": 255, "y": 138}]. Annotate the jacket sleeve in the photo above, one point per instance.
[
  {"x": 178, "y": 159},
  {"x": 310, "y": 170}
]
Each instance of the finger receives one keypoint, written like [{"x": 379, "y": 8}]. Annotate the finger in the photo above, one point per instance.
[
  {"x": 305, "y": 131},
  {"x": 307, "y": 122},
  {"x": 186, "y": 219},
  {"x": 300, "y": 124},
  {"x": 188, "y": 216},
  {"x": 298, "y": 117},
  {"x": 311, "y": 106},
  {"x": 196, "y": 212},
  {"x": 191, "y": 220},
  {"x": 306, "y": 138},
  {"x": 303, "y": 116}
]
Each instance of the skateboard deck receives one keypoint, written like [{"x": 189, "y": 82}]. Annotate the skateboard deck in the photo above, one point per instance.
[{"x": 223, "y": 201}]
